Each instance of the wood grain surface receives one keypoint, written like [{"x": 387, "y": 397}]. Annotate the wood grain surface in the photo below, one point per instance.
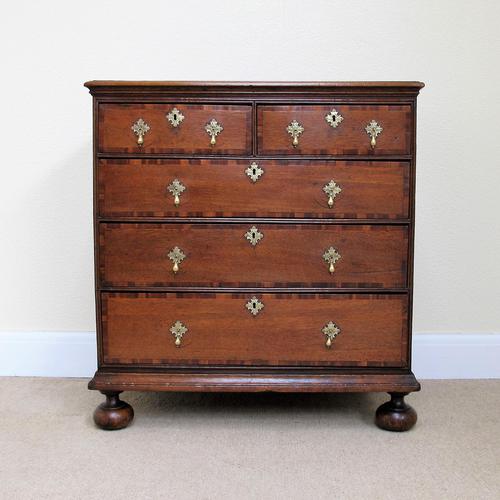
[
  {"x": 221, "y": 188},
  {"x": 288, "y": 255},
  {"x": 116, "y": 136},
  {"x": 287, "y": 331},
  {"x": 348, "y": 138},
  {"x": 371, "y": 224}
]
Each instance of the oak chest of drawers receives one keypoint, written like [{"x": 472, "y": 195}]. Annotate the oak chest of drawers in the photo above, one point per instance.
[{"x": 254, "y": 237}]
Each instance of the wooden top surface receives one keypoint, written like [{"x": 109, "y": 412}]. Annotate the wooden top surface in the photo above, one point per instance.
[{"x": 122, "y": 83}]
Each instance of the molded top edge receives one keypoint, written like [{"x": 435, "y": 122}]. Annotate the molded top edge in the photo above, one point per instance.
[{"x": 122, "y": 83}]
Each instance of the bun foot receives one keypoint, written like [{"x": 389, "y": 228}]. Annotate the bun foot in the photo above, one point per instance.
[
  {"x": 113, "y": 414},
  {"x": 396, "y": 415}
]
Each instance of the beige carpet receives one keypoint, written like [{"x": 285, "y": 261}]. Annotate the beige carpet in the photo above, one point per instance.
[{"x": 268, "y": 446}]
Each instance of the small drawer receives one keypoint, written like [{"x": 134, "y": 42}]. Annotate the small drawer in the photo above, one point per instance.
[
  {"x": 175, "y": 128},
  {"x": 288, "y": 329},
  {"x": 253, "y": 188},
  {"x": 344, "y": 129},
  {"x": 253, "y": 255}
]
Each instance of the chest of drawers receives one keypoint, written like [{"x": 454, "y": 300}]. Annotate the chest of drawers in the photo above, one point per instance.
[{"x": 254, "y": 237}]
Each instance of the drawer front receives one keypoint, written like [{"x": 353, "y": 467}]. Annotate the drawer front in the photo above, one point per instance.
[
  {"x": 348, "y": 137},
  {"x": 286, "y": 255},
  {"x": 253, "y": 188},
  {"x": 218, "y": 328},
  {"x": 120, "y": 128}
]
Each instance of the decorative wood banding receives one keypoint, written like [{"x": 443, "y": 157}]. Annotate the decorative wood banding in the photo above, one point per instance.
[
  {"x": 116, "y": 136},
  {"x": 287, "y": 331},
  {"x": 285, "y": 255},
  {"x": 222, "y": 188},
  {"x": 254, "y": 237}
]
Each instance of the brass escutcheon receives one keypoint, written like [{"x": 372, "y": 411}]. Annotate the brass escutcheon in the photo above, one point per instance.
[
  {"x": 334, "y": 118},
  {"x": 253, "y": 235},
  {"x": 175, "y": 117},
  {"x": 254, "y": 171},
  {"x": 254, "y": 305}
]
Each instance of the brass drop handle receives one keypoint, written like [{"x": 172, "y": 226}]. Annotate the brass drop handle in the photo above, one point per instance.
[
  {"x": 176, "y": 188},
  {"x": 332, "y": 189},
  {"x": 295, "y": 129},
  {"x": 330, "y": 330},
  {"x": 140, "y": 128},
  {"x": 373, "y": 129},
  {"x": 331, "y": 256},
  {"x": 213, "y": 129},
  {"x": 178, "y": 330},
  {"x": 176, "y": 255}
]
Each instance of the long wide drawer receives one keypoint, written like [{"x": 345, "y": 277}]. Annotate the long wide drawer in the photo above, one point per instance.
[
  {"x": 158, "y": 128},
  {"x": 246, "y": 255},
  {"x": 253, "y": 188},
  {"x": 289, "y": 329},
  {"x": 344, "y": 129}
]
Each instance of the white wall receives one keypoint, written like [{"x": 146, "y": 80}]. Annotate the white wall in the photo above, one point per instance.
[{"x": 50, "y": 48}]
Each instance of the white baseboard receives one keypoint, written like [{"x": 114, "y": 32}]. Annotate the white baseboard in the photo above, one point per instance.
[
  {"x": 48, "y": 354},
  {"x": 73, "y": 354}
]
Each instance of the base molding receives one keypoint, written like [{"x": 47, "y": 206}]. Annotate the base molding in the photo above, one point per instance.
[{"x": 251, "y": 381}]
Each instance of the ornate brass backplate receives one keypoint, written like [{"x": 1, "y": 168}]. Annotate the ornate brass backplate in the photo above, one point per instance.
[
  {"x": 176, "y": 255},
  {"x": 253, "y": 235},
  {"x": 140, "y": 128},
  {"x": 334, "y": 118},
  {"x": 254, "y": 305},
  {"x": 373, "y": 129},
  {"x": 213, "y": 129},
  {"x": 295, "y": 129},
  {"x": 331, "y": 256},
  {"x": 176, "y": 188},
  {"x": 331, "y": 330},
  {"x": 175, "y": 117},
  {"x": 332, "y": 189},
  {"x": 178, "y": 330},
  {"x": 254, "y": 171}
]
